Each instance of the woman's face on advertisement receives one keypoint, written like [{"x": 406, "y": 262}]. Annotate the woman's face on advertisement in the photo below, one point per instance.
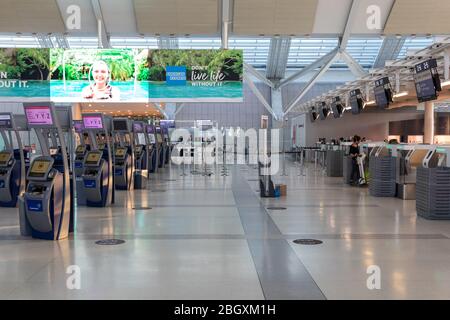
[{"x": 100, "y": 73}]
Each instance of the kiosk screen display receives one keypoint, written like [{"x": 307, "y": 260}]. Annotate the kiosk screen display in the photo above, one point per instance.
[
  {"x": 159, "y": 138},
  {"x": 5, "y": 121},
  {"x": 39, "y": 168},
  {"x": 150, "y": 129},
  {"x": 4, "y": 158},
  {"x": 120, "y": 152},
  {"x": 137, "y": 127},
  {"x": 93, "y": 122},
  {"x": 93, "y": 158},
  {"x": 120, "y": 125},
  {"x": 39, "y": 115},
  {"x": 80, "y": 149},
  {"x": 78, "y": 126}
]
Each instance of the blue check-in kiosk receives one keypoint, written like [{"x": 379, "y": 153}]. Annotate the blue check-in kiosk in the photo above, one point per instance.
[
  {"x": 141, "y": 155},
  {"x": 98, "y": 182},
  {"x": 153, "y": 148},
  {"x": 123, "y": 154},
  {"x": 12, "y": 159},
  {"x": 49, "y": 195}
]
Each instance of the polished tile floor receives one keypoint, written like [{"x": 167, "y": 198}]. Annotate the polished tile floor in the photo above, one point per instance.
[{"x": 198, "y": 237}]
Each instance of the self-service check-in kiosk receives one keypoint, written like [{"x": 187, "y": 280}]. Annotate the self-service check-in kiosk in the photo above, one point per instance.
[
  {"x": 152, "y": 148},
  {"x": 161, "y": 147},
  {"x": 81, "y": 149},
  {"x": 49, "y": 195},
  {"x": 123, "y": 154},
  {"x": 12, "y": 159},
  {"x": 97, "y": 177},
  {"x": 141, "y": 156}
]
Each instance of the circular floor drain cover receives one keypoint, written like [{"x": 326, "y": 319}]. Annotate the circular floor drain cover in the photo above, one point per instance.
[
  {"x": 308, "y": 242},
  {"x": 276, "y": 208},
  {"x": 109, "y": 242},
  {"x": 141, "y": 208}
]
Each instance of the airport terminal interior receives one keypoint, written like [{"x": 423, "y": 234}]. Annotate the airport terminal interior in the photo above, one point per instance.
[{"x": 224, "y": 149}]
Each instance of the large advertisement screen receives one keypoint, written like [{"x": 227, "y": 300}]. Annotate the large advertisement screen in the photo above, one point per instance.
[{"x": 120, "y": 75}]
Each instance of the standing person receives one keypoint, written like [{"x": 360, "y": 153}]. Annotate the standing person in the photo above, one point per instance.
[{"x": 354, "y": 154}]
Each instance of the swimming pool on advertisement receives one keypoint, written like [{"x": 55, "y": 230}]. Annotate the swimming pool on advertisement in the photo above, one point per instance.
[{"x": 133, "y": 90}]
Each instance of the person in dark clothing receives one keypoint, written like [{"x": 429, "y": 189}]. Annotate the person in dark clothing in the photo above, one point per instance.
[{"x": 354, "y": 154}]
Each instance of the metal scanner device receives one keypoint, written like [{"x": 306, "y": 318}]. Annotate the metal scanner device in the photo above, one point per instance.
[
  {"x": 49, "y": 194},
  {"x": 97, "y": 177},
  {"x": 123, "y": 154},
  {"x": 436, "y": 157},
  {"x": 408, "y": 158},
  {"x": 12, "y": 159},
  {"x": 140, "y": 155},
  {"x": 153, "y": 148}
]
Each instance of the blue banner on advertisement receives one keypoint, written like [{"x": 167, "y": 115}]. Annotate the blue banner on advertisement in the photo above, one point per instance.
[{"x": 176, "y": 75}]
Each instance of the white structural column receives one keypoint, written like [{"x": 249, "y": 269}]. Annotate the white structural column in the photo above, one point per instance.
[
  {"x": 258, "y": 75},
  {"x": 259, "y": 95},
  {"x": 428, "y": 136},
  {"x": 103, "y": 38},
  {"x": 226, "y": 21}
]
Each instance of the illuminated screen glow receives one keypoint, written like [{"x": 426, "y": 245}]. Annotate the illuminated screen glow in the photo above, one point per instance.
[
  {"x": 93, "y": 122},
  {"x": 39, "y": 115}
]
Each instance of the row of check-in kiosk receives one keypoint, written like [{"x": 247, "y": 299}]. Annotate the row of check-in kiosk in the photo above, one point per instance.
[
  {"x": 418, "y": 172},
  {"x": 109, "y": 154}
]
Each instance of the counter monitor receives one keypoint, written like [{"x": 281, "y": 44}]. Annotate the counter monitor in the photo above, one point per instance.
[{"x": 37, "y": 115}]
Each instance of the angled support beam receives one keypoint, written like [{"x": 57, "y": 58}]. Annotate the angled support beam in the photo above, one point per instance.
[
  {"x": 310, "y": 84},
  {"x": 180, "y": 107},
  {"x": 103, "y": 39},
  {"x": 248, "y": 68},
  {"x": 278, "y": 57},
  {"x": 259, "y": 96},
  {"x": 389, "y": 50},
  {"x": 313, "y": 66},
  {"x": 349, "y": 25},
  {"x": 353, "y": 65},
  {"x": 160, "y": 109}
]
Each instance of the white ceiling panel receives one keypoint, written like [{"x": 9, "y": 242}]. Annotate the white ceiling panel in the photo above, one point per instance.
[
  {"x": 88, "y": 23},
  {"x": 331, "y": 18},
  {"x": 177, "y": 16},
  {"x": 272, "y": 17},
  {"x": 419, "y": 17},
  {"x": 119, "y": 17},
  {"x": 27, "y": 16}
]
